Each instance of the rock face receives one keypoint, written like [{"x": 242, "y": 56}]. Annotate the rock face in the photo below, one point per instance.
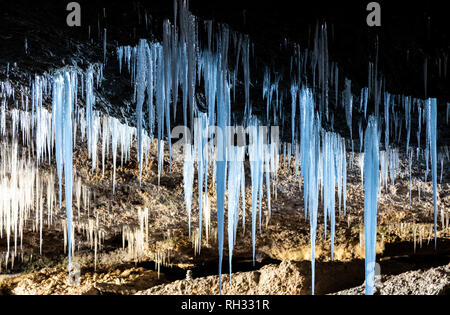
[
  {"x": 287, "y": 278},
  {"x": 435, "y": 281},
  {"x": 54, "y": 281},
  {"x": 403, "y": 228}
]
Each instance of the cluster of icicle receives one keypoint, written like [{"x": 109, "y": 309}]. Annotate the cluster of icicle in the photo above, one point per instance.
[
  {"x": 162, "y": 73},
  {"x": 94, "y": 235},
  {"x": 22, "y": 188},
  {"x": 160, "y": 70},
  {"x": 29, "y": 193},
  {"x": 418, "y": 232}
]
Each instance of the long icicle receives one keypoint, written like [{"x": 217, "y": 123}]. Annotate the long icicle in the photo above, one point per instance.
[{"x": 371, "y": 167}]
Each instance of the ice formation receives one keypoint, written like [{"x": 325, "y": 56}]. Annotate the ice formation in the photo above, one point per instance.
[{"x": 371, "y": 169}]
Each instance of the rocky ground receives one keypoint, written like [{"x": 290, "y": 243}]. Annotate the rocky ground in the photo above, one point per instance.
[{"x": 286, "y": 278}]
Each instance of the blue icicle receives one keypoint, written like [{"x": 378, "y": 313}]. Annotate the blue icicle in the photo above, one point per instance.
[{"x": 371, "y": 164}]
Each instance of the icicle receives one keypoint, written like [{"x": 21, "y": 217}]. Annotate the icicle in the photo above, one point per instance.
[
  {"x": 371, "y": 148},
  {"x": 361, "y": 135},
  {"x": 366, "y": 97},
  {"x": 63, "y": 92},
  {"x": 246, "y": 67},
  {"x": 234, "y": 181},
  {"x": 120, "y": 57},
  {"x": 387, "y": 97},
  {"x": 361, "y": 168},
  {"x": 333, "y": 168},
  {"x": 114, "y": 141},
  {"x": 223, "y": 115},
  {"x": 188, "y": 179},
  {"x": 200, "y": 127},
  {"x": 348, "y": 105},
  {"x": 267, "y": 170},
  {"x": 266, "y": 91},
  {"x": 255, "y": 157},
  {"x": 431, "y": 105},
  {"x": 410, "y": 165},
  {"x": 418, "y": 130},
  {"x": 407, "y": 101},
  {"x": 344, "y": 174},
  {"x": 294, "y": 90},
  {"x": 91, "y": 131},
  {"x": 168, "y": 79},
  {"x": 104, "y": 46}
]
